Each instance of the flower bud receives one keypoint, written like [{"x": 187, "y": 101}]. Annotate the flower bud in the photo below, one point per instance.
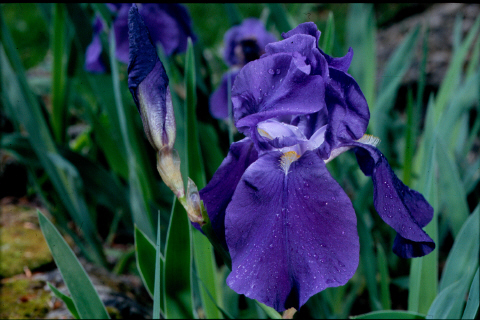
[
  {"x": 194, "y": 209},
  {"x": 168, "y": 165},
  {"x": 148, "y": 83}
]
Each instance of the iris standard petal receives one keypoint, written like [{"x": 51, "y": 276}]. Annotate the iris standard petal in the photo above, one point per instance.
[
  {"x": 218, "y": 102},
  {"x": 120, "y": 27},
  {"x": 402, "y": 208},
  {"x": 218, "y": 192},
  {"x": 290, "y": 235},
  {"x": 273, "y": 86},
  {"x": 348, "y": 112},
  {"x": 309, "y": 28}
]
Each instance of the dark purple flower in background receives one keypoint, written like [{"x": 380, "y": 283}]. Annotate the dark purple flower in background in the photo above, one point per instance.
[
  {"x": 169, "y": 24},
  {"x": 288, "y": 225},
  {"x": 243, "y": 43}
]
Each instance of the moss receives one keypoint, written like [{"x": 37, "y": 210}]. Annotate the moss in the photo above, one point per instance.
[
  {"x": 23, "y": 298},
  {"x": 21, "y": 241}
]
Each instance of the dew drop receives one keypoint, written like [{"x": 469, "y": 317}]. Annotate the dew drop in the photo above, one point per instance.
[
  {"x": 273, "y": 87},
  {"x": 306, "y": 196},
  {"x": 271, "y": 71},
  {"x": 306, "y": 184},
  {"x": 390, "y": 216},
  {"x": 271, "y": 245},
  {"x": 278, "y": 71},
  {"x": 343, "y": 232},
  {"x": 333, "y": 198}
]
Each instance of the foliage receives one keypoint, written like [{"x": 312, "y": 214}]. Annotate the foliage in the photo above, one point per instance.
[{"x": 81, "y": 139}]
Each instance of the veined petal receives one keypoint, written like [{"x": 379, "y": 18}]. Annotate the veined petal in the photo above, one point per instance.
[
  {"x": 348, "y": 112},
  {"x": 290, "y": 235},
  {"x": 402, "y": 208},
  {"x": 218, "y": 192},
  {"x": 274, "y": 86}
]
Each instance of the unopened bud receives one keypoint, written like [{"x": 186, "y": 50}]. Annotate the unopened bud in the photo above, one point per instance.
[
  {"x": 148, "y": 83},
  {"x": 194, "y": 209},
  {"x": 168, "y": 165}
]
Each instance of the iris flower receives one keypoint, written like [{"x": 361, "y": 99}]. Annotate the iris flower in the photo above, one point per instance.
[
  {"x": 243, "y": 43},
  {"x": 169, "y": 24},
  {"x": 289, "y": 227}
]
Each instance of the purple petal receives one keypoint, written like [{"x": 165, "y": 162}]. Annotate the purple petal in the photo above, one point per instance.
[
  {"x": 169, "y": 24},
  {"x": 309, "y": 28},
  {"x": 219, "y": 99},
  {"x": 250, "y": 29},
  {"x": 218, "y": 192},
  {"x": 402, "y": 208},
  {"x": 348, "y": 112},
  {"x": 120, "y": 26},
  {"x": 142, "y": 53},
  {"x": 290, "y": 236},
  {"x": 304, "y": 49},
  {"x": 93, "y": 58},
  {"x": 273, "y": 86},
  {"x": 342, "y": 63},
  {"x": 148, "y": 83}
]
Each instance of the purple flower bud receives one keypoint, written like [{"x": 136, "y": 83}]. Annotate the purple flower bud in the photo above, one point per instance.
[{"x": 148, "y": 83}]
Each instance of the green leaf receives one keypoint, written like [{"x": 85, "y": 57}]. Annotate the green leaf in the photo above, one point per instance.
[
  {"x": 423, "y": 279},
  {"x": 454, "y": 70},
  {"x": 329, "y": 35},
  {"x": 453, "y": 196},
  {"x": 84, "y": 295},
  {"x": 145, "y": 252},
  {"x": 396, "y": 67},
  {"x": 59, "y": 84},
  {"x": 390, "y": 314},
  {"x": 271, "y": 313},
  {"x": 66, "y": 299},
  {"x": 178, "y": 266},
  {"x": 234, "y": 16},
  {"x": 158, "y": 295},
  {"x": 384, "y": 278},
  {"x": 203, "y": 251},
  {"x": 471, "y": 309},
  {"x": 361, "y": 30},
  {"x": 463, "y": 257},
  {"x": 279, "y": 16}
]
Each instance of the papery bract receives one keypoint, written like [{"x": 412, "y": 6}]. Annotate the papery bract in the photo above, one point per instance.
[{"x": 289, "y": 227}]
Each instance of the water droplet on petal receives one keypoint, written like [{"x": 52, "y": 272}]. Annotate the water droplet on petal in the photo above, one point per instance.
[
  {"x": 306, "y": 196},
  {"x": 271, "y": 71},
  {"x": 278, "y": 71}
]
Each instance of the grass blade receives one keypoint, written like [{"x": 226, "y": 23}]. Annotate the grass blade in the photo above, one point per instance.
[
  {"x": 279, "y": 16},
  {"x": 59, "y": 81},
  {"x": 384, "y": 278},
  {"x": 454, "y": 70},
  {"x": 203, "y": 251},
  {"x": 84, "y": 295},
  {"x": 329, "y": 36},
  {"x": 361, "y": 30},
  {"x": 178, "y": 266},
  {"x": 158, "y": 292}
]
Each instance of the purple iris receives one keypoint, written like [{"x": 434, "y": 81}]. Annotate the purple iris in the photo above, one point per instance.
[
  {"x": 288, "y": 225},
  {"x": 244, "y": 43},
  {"x": 169, "y": 24}
]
